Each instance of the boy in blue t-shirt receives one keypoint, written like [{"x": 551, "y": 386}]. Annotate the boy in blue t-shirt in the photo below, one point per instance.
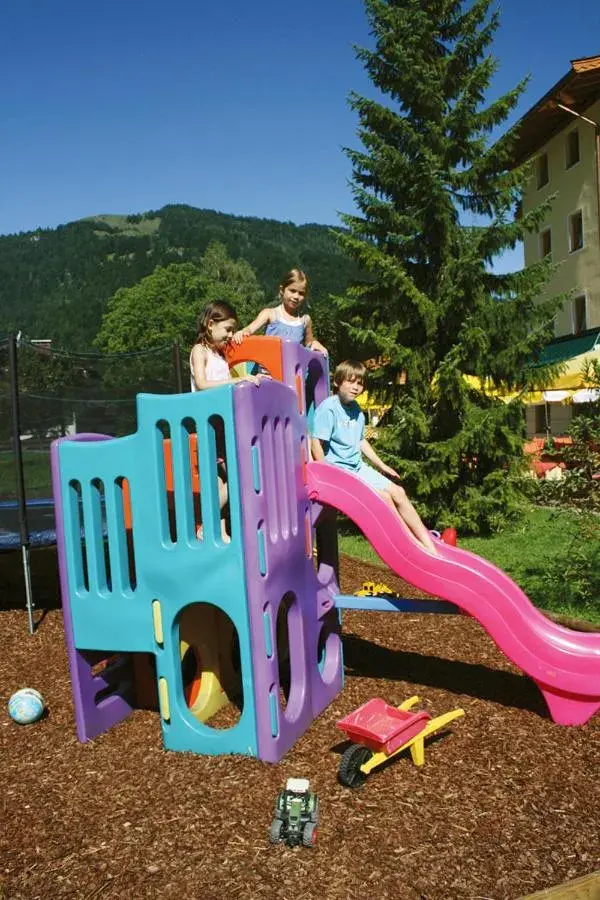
[{"x": 338, "y": 437}]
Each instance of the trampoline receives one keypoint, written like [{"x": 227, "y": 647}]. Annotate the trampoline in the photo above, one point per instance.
[{"x": 40, "y": 520}]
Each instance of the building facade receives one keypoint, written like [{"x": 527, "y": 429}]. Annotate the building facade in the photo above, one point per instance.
[{"x": 560, "y": 135}]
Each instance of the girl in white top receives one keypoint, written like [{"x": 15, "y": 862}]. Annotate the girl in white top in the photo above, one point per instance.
[{"x": 209, "y": 368}]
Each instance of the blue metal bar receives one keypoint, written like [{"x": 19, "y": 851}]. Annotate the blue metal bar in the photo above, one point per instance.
[{"x": 400, "y": 604}]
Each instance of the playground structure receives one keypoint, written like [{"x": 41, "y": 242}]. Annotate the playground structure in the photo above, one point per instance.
[
  {"x": 143, "y": 594},
  {"x": 154, "y": 589}
]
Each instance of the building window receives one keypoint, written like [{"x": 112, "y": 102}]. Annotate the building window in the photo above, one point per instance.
[
  {"x": 575, "y": 231},
  {"x": 543, "y": 175},
  {"x": 579, "y": 314},
  {"x": 545, "y": 242},
  {"x": 572, "y": 148}
]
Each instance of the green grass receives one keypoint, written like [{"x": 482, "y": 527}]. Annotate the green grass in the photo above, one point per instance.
[
  {"x": 146, "y": 226},
  {"x": 36, "y": 468},
  {"x": 538, "y": 554}
]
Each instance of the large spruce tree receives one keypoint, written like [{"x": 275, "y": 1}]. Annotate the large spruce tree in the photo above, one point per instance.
[{"x": 437, "y": 202}]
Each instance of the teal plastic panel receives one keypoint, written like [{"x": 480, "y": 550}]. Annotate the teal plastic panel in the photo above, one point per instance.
[{"x": 171, "y": 564}]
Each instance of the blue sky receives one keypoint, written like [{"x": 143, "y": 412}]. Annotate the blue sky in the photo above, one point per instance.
[{"x": 239, "y": 106}]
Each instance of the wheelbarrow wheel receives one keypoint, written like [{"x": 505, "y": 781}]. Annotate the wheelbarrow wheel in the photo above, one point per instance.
[{"x": 349, "y": 773}]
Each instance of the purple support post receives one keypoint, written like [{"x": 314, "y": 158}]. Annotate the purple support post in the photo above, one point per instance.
[
  {"x": 91, "y": 718},
  {"x": 307, "y": 373},
  {"x": 276, "y": 514}
]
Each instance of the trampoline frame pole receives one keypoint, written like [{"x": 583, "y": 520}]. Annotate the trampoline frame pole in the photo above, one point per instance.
[
  {"x": 18, "y": 454},
  {"x": 28, "y": 590},
  {"x": 177, "y": 367}
]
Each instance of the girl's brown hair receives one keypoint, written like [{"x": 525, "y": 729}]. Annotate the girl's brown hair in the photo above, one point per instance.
[
  {"x": 292, "y": 276},
  {"x": 213, "y": 312},
  {"x": 349, "y": 370}
]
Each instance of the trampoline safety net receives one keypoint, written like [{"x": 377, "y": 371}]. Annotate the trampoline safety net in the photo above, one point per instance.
[{"x": 62, "y": 393}]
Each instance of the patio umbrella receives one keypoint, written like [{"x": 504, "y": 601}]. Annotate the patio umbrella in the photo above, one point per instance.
[
  {"x": 572, "y": 379},
  {"x": 573, "y": 376},
  {"x": 555, "y": 396},
  {"x": 586, "y": 395}
]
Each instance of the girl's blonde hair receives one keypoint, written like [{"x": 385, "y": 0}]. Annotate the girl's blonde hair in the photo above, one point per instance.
[
  {"x": 213, "y": 312},
  {"x": 292, "y": 276},
  {"x": 349, "y": 370}
]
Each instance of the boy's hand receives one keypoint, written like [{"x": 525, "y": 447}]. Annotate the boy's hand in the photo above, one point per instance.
[
  {"x": 239, "y": 336},
  {"x": 391, "y": 473}
]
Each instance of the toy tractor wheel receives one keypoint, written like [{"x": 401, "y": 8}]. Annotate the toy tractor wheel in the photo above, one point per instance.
[
  {"x": 309, "y": 835},
  {"x": 349, "y": 773},
  {"x": 314, "y": 815},
  {"x": 275, "y": 831},
  {"x": 280, "y": 806}
]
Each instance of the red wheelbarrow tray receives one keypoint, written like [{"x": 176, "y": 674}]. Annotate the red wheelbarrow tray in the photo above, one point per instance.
[{"x": 381, "y": 727}]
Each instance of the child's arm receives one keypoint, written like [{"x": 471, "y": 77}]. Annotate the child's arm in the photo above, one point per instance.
[
  {"x": 318, "y": 454},
  {"x": 261, "y": 321},
  {"x": 322, "y": 431},
  {"x": 199, "y": 372},
  {"x": 368, "y": 451},
  {"x": 309, "y": 338}
]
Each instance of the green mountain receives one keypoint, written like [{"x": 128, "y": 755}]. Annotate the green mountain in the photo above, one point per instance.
[{"x": 54, "y": 283}]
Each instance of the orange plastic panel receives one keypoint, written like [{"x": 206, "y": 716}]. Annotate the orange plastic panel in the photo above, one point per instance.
[
  {"x": 168, "y": 464},
  {"x": 307, "y": 536},
  {"x": 126, "y": 504},
  {"x": 192, "y": 689},
  {"x": 168, "y": 457},
  {"x": 266, "y": 351},
  {"x": 194, "y": 463},
  {"x": 300, "y": 393}
]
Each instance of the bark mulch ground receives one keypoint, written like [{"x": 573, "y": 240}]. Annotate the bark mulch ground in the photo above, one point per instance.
[{"x": 506, "y": 804}]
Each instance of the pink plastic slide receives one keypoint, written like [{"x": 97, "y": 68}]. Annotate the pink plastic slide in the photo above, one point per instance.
[{"x": 564, "y": 664}]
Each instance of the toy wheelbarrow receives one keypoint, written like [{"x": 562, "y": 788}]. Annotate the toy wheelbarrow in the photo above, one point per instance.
[{"x": 380, "y": 731}]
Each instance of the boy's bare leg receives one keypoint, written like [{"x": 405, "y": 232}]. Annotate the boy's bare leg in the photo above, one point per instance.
[{"x": 396, "y": 497}]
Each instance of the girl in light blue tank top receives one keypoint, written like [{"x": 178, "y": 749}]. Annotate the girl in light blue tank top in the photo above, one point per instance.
[
  {"x": 280, "y": 326},
  {"x": 286, "y": 321}
]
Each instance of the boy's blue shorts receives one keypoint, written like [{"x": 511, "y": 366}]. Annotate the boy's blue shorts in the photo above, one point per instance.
[{"x": 372, "y": 477}]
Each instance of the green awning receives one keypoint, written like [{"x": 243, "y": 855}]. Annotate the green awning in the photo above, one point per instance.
[{"x": 561, "y": 350}]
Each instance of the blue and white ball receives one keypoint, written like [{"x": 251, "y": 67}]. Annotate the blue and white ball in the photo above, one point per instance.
[{"x": 26, "y": 706}]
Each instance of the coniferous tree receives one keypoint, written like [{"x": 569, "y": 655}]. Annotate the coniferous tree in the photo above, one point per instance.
[{"x": 437, "y": 202}]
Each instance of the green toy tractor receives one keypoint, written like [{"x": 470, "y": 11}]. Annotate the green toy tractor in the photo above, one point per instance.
[{"x": 296, "y": 815}]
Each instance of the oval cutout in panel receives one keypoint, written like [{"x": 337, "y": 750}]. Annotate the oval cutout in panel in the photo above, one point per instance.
[
  {"x": 211, "y": 677},
  {"x": 329, "y": 649}
]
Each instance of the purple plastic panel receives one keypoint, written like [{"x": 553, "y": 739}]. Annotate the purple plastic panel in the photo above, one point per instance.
[
  {"x": 91, "y": 718},
  {"x": 276, "y": 519},
  {"x": 313, "y": 369}
]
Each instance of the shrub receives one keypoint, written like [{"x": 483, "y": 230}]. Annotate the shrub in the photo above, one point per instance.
[{"x": 574, "y": 581}]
